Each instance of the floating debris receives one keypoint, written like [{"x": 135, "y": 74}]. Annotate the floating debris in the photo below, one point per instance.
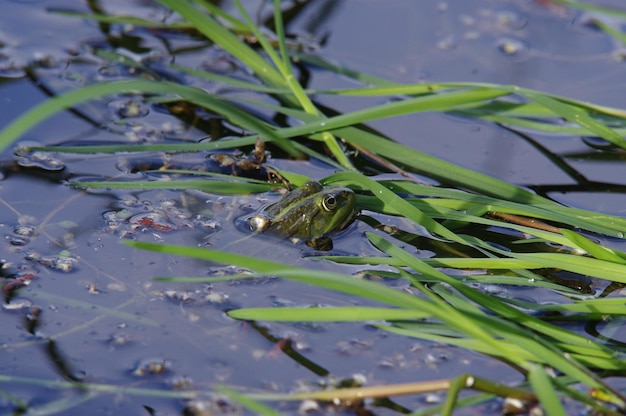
[
  {"x": 152, "y": 366},
  {"x": 17, "y": 304},
  {"x": 130, "y": 108},
  {"x": 19, "y": 280},
  {"x": 119, "y": 339},
  {"x": 63, "y": 262},
  {"x": 512, "y": 47},
  {"x": 217, "y": 406},
  {"x": 151, "y": 221}
]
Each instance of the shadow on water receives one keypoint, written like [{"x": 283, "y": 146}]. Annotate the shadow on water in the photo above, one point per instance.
[{"x": 82, "y": 308}]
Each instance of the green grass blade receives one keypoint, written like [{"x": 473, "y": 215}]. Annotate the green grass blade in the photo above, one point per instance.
[
  {"x": 46, "y": 109},
  {"x": 233, "y": 82},
  {"x": 574, "y": 114},
  {"x": 229, "y": 143},
  {"x": 216, "y": 32},
  {"x": 574, "y": 111},
  {"x": 254, "y": 406},
  {"x": 211, "y": 186},
  {"x": 413, "y": 89},
  {"x": 543, "y": 387},
  {"x": 395, "y": 202},
  {"x": 235, "y": 24},
  {"x": 221, "y": 257},
  {"x": 284, "y": 66},
  {"x": 122, "y": 20},
  {"x": 576, "y": 264},
  {"x": 611, "y": 31},
  {"x": 480, "y": 298},
  {"x": 332, "y": 314},
  {"x": 439, "y": 102},
  {"x": 593, "y": 8},
  {"x": 439, "y": 169},
  {"x": 602, "y": 306},
  {"x": 454, "y": 263},
  {"x": 341, "y": 283},
  {"x": 64, "y": 405},
  {"x": 456, "y": 339},
  {"x": 596, "y": 250},
  {"x": 547, "y": 210}
]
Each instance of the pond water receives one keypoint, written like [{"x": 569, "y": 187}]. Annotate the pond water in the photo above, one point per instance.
[{"x": 90, "y": 309}]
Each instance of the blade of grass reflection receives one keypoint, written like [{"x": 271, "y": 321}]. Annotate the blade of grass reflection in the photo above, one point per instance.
[
  {"x": 59, "y": 406},
  {"x": 89, "y": 307},
  {"x": 104, "y": 388}
]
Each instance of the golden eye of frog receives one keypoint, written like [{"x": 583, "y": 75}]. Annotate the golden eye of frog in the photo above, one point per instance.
[{"x": 308, "y": 213}]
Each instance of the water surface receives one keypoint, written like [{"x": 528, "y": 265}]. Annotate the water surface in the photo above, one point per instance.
[{"x": 91, "y": 310}]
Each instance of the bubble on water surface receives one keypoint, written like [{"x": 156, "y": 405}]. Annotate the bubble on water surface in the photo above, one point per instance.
[
  {"x": 25, "y": 230},
  {"x": 448, "y": 43},
  {"x": 41, "y": 160},
  {"x": 512, "y": 47},
  {"x": 17, "y": 241}
]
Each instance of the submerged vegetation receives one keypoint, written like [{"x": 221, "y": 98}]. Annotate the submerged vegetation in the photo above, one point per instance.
[{"x": 537, "y": 238}]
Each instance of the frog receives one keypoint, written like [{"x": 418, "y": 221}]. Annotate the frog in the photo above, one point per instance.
[{"x": 309, "y": 213}]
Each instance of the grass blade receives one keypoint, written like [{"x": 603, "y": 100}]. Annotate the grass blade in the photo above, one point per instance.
[
  {"x": 544, "y": 389},
  {"x": 191, "y": 94},
  {"x": 328, "y": 314}
]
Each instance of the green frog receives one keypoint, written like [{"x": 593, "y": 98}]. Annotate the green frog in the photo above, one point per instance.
[{"x": 308, "y": 213}]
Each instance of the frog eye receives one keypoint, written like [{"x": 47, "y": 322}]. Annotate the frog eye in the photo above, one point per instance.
[{"x": 329, "y": 202}]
